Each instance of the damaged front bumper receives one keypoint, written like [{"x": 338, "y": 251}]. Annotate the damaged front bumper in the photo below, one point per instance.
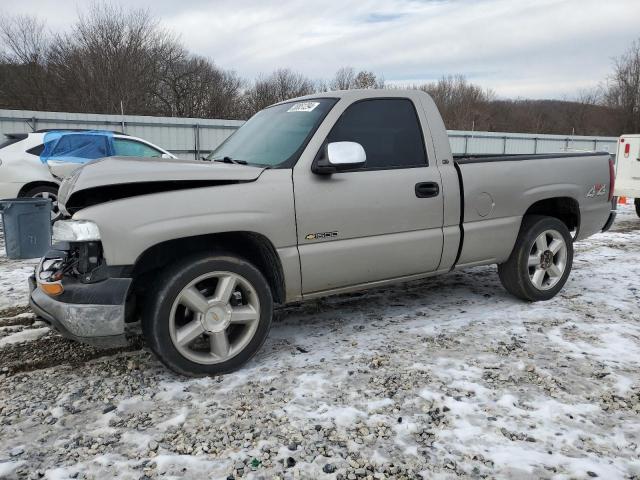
[{"x": 92, "y": 313}]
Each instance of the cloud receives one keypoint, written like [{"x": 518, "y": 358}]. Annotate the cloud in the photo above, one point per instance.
[
  {"x": 541, "y": 49},
  {"x": 382, "y": 17}
]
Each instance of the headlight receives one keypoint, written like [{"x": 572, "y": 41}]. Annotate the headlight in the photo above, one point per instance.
[{"x": 75, "y": 231}]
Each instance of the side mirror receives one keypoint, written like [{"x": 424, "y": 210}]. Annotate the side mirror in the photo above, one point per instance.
[
  {"x": 166, "y": 155},
  {"x": 340, "y": 156}
]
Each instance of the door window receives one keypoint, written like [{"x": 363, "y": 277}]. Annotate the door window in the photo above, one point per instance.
[
  {"x": 388, "y": 129},
  {"x": 131, "y": 148}
]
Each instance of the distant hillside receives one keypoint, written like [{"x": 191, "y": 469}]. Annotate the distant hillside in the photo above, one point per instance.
[{"x": 552, "y": 116}]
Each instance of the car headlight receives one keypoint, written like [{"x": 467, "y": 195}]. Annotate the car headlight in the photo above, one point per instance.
[{"x": 75, "y": 231}]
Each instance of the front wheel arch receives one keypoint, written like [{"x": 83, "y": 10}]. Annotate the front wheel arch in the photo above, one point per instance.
[{"x": 254, "y": 247}]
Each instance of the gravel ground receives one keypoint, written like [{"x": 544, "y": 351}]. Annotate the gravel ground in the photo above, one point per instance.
[{"x": 442, "y": 378}]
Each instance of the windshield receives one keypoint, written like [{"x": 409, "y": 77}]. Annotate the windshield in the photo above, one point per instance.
[{"x": 276, "y": 135}]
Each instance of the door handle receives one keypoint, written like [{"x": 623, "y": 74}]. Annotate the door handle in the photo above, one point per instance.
[{"x": 427, "y": 189}]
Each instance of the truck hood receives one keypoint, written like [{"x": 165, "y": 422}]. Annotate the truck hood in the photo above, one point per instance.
[{"x": 114, "y": 178}]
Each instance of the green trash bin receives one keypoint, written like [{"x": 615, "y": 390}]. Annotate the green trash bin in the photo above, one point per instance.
[{"x": 26, "y": 223}]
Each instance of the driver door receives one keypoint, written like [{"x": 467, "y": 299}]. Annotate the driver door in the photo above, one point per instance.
[{"x": 371, "y": 224}]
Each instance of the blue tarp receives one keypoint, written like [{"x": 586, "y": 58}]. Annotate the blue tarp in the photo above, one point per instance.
[{"x": 76, "y": 147}]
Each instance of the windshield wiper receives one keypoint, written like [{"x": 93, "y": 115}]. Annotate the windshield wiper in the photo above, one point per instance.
[{"x": 231, "y": 160}]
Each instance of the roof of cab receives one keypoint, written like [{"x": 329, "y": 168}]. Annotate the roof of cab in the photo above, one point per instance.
[{"x": 358, "y": 94}]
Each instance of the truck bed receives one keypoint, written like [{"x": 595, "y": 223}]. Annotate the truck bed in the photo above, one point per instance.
[
  {"x": 497, "y": 190},
  {"x": 484, "y": 158}
]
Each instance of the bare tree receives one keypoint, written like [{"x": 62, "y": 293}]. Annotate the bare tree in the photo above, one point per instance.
[
  {"x": 623, "y": 91},
  {"x": 463, "y": 105},
  {"x": 366, "y": 79},
  {"x": 25, "y": 39},
  {"x": 560, "y": 117},
  {"x": 578, "y": 112},
  {"x": 192, "y": 86},
  {"x": 282, "y": 84},
  {"x": 24, "y": 81},
  {"x": 344, "y": 79},
  {"x": 112, "y": 55}
]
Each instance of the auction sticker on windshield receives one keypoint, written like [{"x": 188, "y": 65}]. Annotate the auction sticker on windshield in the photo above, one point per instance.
[{"x": 303, "y": 107}]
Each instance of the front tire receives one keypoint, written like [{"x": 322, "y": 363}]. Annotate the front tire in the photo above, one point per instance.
[
  {"x": 637, "y": 204},
  {"x": 541, "y": 260},
  {"x": 208, "y": 315}
]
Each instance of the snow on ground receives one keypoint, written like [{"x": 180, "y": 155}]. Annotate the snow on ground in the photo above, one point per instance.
[
  {"x": 13, "y": 278},
  {"x": 24, "y": 335},
  {"x": 439, "y": 378}
]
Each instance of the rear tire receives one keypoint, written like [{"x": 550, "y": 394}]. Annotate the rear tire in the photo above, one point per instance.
[
  {"x": 208, "y": 315},
  {"x": 541, "y": 260},
  {"x": 637, "y": 204}
]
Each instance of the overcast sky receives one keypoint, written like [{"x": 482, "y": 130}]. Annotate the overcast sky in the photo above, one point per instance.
[{"x": 519, "y": 48}]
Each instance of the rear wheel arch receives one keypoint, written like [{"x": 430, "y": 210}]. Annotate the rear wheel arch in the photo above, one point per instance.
[
  {"x": 254, "y": 247},
  {"x": 565, "y": 209},
  {"x": 27, "y": 187},
  {"x": 42, "y": 189}
]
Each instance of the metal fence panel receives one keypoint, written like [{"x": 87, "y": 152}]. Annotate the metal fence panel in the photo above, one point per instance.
[
  {"x": 465, "y": 142},
  {"x": 185, "y": 137},
  {"x": 193, "y": 137}
]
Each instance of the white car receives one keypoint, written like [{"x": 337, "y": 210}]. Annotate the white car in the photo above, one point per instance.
[
  {"x": 34, "y": 164},
  {"x": 628, "y": 169}
]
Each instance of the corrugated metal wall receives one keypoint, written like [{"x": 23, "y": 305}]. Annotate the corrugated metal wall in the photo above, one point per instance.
[
  {"x": 463, "y": 142},
  {"x": 191, "y": 137},
  {"x": 185, "y": 137}
]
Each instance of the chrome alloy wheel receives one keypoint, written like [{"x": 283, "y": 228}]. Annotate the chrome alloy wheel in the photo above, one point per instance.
[
  {"x": 547, "y": 260},
  {"x": 214, "y": 317}
]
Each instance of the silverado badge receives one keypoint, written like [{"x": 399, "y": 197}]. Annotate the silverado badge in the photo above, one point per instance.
[{"x": 321, "y": 235}]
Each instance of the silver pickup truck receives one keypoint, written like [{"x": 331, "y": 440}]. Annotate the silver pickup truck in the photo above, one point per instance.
[{"x": 319, "y": 195}]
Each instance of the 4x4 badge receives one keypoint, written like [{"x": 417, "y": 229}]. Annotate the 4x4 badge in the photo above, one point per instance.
[{"x": 597, "y": 190}]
